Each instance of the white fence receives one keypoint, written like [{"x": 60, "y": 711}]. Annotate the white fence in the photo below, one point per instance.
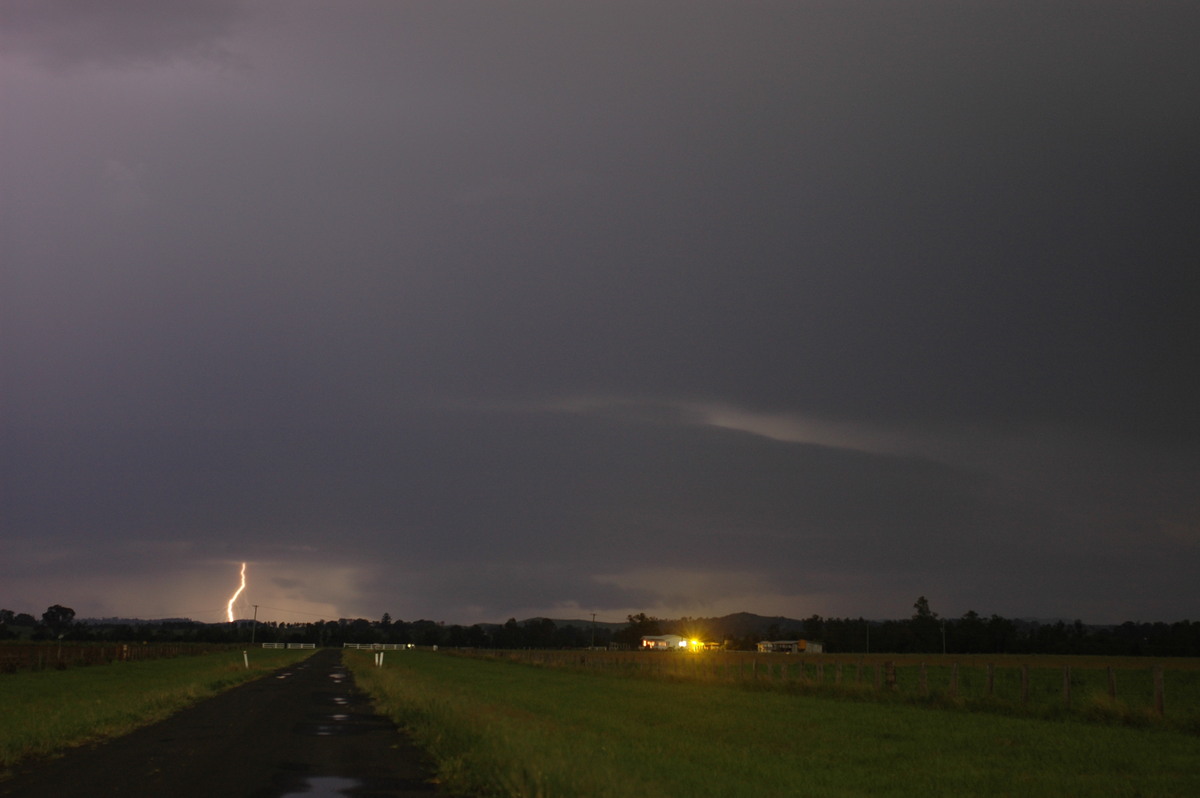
[{"x": 289, "y": 645}]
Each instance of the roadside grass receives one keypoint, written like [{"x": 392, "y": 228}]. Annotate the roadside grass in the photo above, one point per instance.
[
  {"x": 498, "y": 728},
  {"x": 44, "y": 712}
]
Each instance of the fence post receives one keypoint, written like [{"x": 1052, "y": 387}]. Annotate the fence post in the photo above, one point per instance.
[
  {"x": 890, "y": 667},
  {"x": 837, "y": 673}
]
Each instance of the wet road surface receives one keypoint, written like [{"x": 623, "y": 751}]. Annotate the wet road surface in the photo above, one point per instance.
[{"x": 304, "y": 730}]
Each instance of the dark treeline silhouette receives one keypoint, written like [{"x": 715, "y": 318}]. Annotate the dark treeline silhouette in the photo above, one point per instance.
[
  {"x": 974, "y": 634},
  {"x": 924, "y": 632}
]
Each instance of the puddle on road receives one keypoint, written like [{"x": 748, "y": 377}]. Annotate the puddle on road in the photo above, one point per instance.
[
  {"x": 324, "y": 786},
  {"x": 340, "y": 724}
]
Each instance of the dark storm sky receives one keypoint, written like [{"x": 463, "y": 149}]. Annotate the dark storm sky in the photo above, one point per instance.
[{"x": 469, "y": 310}]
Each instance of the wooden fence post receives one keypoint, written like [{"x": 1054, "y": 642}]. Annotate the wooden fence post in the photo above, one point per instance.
[
  {"x": 837, "y": 673},
  {"x": 890, "y": 667}
]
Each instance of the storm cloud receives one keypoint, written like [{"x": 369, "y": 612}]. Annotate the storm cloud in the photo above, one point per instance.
[{"x": 471, "y": 310}]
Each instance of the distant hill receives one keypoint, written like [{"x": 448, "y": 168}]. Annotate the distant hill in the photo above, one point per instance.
[
  {"x": 130, "y": 621},
  {"x": 739, "y": 624},
  {"x": 577, "y": 623}
]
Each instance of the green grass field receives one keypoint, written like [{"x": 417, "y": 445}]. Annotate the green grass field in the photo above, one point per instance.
[
  {"x": 497, "y": 727},
  {"x": 46, "y": 711},
  {"x": 1101, "y": 689}
]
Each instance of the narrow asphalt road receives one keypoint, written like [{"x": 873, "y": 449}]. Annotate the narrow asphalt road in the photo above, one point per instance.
[{"x": 304, "y": 730}]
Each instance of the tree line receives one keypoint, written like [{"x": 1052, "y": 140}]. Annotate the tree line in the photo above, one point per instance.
[{"x": 924, "y": 632}]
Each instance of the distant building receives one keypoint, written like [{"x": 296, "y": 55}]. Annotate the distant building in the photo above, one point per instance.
[
  {"x": 663, "y": 642},
  {"x": 790, "y": 647}
]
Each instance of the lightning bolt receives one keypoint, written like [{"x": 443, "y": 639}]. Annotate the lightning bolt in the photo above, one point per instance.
[{"x": 236, "y": 593}]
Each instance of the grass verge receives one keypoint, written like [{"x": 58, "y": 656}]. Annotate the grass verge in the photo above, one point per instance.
[
  {"x": 45, "y": 712},
  {"x": 498, "y": 728}
]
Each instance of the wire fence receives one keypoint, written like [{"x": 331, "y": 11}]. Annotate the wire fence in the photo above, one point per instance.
[
  {"x": 58, "y": 656},
  {"x": 1101, "y": 686}
]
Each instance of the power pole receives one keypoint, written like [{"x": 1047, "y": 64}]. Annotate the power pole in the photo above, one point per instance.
[{"x": 254, "y": 625}]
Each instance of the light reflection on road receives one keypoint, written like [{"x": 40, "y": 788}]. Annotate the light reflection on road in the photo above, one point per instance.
[{"x": 324, "y": 787}]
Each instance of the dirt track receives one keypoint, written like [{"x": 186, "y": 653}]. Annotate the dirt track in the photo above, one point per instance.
[{"x": 304, "y": 730}]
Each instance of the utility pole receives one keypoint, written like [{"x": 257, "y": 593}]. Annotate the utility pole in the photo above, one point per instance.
[
  {"x": 254, "y": 625},
  {"x": 593, "y": 630}
]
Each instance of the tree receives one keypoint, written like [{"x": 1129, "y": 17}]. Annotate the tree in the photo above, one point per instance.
[
  {"x": 814, "y": 627},
  {"x": 6, "y": 617},
  {"x": 925, "y": 627},
  {"x": 639, "y": 626},
  {"x": 1002, "y": 634},
  {"x": 58, "y": 618},
  {"x": 971, "y": 634},
  {"x": 509, "y": 635},
  {"x": 539, "y": 633}
]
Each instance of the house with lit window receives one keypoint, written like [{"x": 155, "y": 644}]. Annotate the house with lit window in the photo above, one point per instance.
[{"x": 663, "y": 642}]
